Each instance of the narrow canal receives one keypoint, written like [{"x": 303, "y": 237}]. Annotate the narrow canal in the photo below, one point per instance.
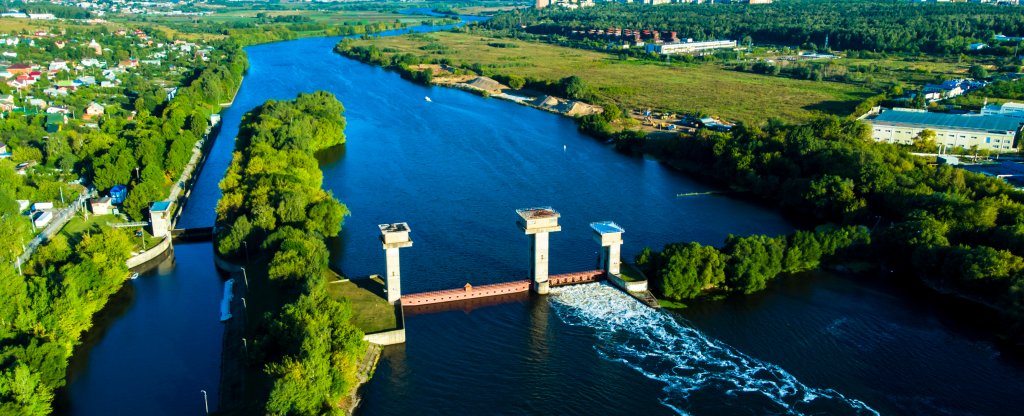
[{"x": 455, "y": 169}]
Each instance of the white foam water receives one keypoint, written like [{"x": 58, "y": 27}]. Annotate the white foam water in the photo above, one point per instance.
[{"x": 702, "y": 375}]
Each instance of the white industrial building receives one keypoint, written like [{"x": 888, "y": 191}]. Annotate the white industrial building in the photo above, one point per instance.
[
  {"x": 690, "y": 46},
  {"x": 1014, "y": 110},
  {"x": 901, "y": 126}
]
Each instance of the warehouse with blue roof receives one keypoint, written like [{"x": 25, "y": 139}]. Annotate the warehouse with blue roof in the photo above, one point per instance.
[{"x": 901, "y": 126}]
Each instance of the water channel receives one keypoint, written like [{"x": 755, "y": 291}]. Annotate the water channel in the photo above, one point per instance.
[{"x": 455, "y": 169}]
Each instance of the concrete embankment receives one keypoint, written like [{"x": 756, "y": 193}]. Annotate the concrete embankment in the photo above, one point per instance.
[
  {"x": 149, "y": 258},
  {"x": 365, "y": 371}
]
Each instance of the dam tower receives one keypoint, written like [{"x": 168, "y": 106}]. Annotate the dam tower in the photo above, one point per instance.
[
  {"x": 394, "y": 237},
  {"x": 609, "y": 235},
  {"x": 538, "y": 222}
]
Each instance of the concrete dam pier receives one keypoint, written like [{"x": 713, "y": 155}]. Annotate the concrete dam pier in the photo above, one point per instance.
[{"x": 537, "y": 223}]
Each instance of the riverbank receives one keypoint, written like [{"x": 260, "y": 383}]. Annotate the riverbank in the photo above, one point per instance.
[
  {"x": 705, "y": 88},
  {"x": 367, "y": 365}
]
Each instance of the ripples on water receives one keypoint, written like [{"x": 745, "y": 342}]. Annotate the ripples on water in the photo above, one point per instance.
[{"x": 702, "y": 375}]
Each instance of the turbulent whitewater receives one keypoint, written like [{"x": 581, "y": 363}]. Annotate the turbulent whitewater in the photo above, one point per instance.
[{"x": 702, "y": 375}]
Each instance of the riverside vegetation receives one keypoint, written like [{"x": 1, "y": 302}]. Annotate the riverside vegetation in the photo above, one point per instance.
[
  {"x": 958, "y": 232},
  {"x": 307, "y": 345},
  {"x": 68, "y": 280}
]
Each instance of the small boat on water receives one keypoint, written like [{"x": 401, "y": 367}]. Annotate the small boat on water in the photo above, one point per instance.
[
  {"x": 428, "y": 99},
  {"x": 134, "y": 276}
]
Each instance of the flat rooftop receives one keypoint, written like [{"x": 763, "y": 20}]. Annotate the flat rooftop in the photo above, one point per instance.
[
  {"x": 947, "y": 121},
  {"x": 606, "y": 227},
  {"x": 397, "y": 227},
  {"x": 1011, "y": 172},
  {"x": 537, "y": 213},
  {"x": 160, "y": 206}
]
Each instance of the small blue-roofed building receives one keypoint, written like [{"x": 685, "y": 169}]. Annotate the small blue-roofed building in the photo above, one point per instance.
[
  {"x": 118, "y": 193},
  {"x": 901, "y": 126},
  {"x": 160, "y": 218}
]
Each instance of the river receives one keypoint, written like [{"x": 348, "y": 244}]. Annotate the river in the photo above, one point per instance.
[{"x": 455, "y": 169}]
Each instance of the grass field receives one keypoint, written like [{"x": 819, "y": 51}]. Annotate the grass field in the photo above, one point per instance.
[
  {"x": 706, "y": 88},
  {"x": 630, "y": 273},
  {"x": 76, "y": 227},
  {"x": 370, "y": 311},
  {"x": 910, "y": 70}
]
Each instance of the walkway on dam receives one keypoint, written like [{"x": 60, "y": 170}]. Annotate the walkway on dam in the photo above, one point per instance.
[{"x": 473, "y": 292}]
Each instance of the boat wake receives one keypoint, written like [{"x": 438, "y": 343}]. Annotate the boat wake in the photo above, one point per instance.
[{"x": 702, "y": 375}]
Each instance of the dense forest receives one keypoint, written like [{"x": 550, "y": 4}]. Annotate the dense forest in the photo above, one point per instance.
[
  {"x": 945, "y": 28},
  {"x": 273, "y": 199},
  {"x": 958, "y": 232},
  {"x": 45, "y": 312}
]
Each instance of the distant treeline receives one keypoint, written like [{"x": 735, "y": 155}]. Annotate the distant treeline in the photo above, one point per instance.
[
  {"x": 251, "y": 34},
  {"x": 958, "y": 232},
  {"x": 849, "y": 25},
  {"x": 273, "y": 200}
]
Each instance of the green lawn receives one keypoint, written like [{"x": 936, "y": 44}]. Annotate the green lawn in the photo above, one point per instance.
[
  {"x": 370, "y": 311},
  {"x": 76, "y": 227},
  {"x": 630, "y": 273},
  {"x": 707, "y": 88}
]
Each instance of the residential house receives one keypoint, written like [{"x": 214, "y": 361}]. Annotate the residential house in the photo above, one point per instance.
[
  {"x": 37, "y": 102},
  {"x": 93, "y": 110},
  {"x": 19, "y": 69},
  {"x": 129, "y": 63},
  {"x": 92, "y": 62},
  {"x": 100, "y": 206},
  {"x": 951, "y": 88},
  {"x": 58, "y": 65},
  {"x": 7, "y": 103},
  {"x": 95, "y": 46},
  {"x": 56, "y": 92}
]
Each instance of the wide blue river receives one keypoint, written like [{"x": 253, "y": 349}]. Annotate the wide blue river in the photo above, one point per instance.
[{"x": 456, "y": 168}]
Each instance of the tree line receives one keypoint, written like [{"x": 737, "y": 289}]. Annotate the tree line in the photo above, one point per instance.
[
  {"x": 272, "y": 199},
  {"x": 955, "y": 231},
  {"x": 46, "y": 310},
  {"x": 849, "y": 25}
]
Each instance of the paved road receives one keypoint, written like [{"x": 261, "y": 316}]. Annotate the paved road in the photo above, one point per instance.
[{"x": 60, "y": 217}]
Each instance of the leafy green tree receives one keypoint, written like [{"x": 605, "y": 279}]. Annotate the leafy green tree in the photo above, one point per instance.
[
  {"x": 574, "y": 88},
  {"x": 691, "y": 269},
  {"x": 23, "y": 393},
  {"x": 978, "y": 72},
  {"x": 753, "y": 261}
]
